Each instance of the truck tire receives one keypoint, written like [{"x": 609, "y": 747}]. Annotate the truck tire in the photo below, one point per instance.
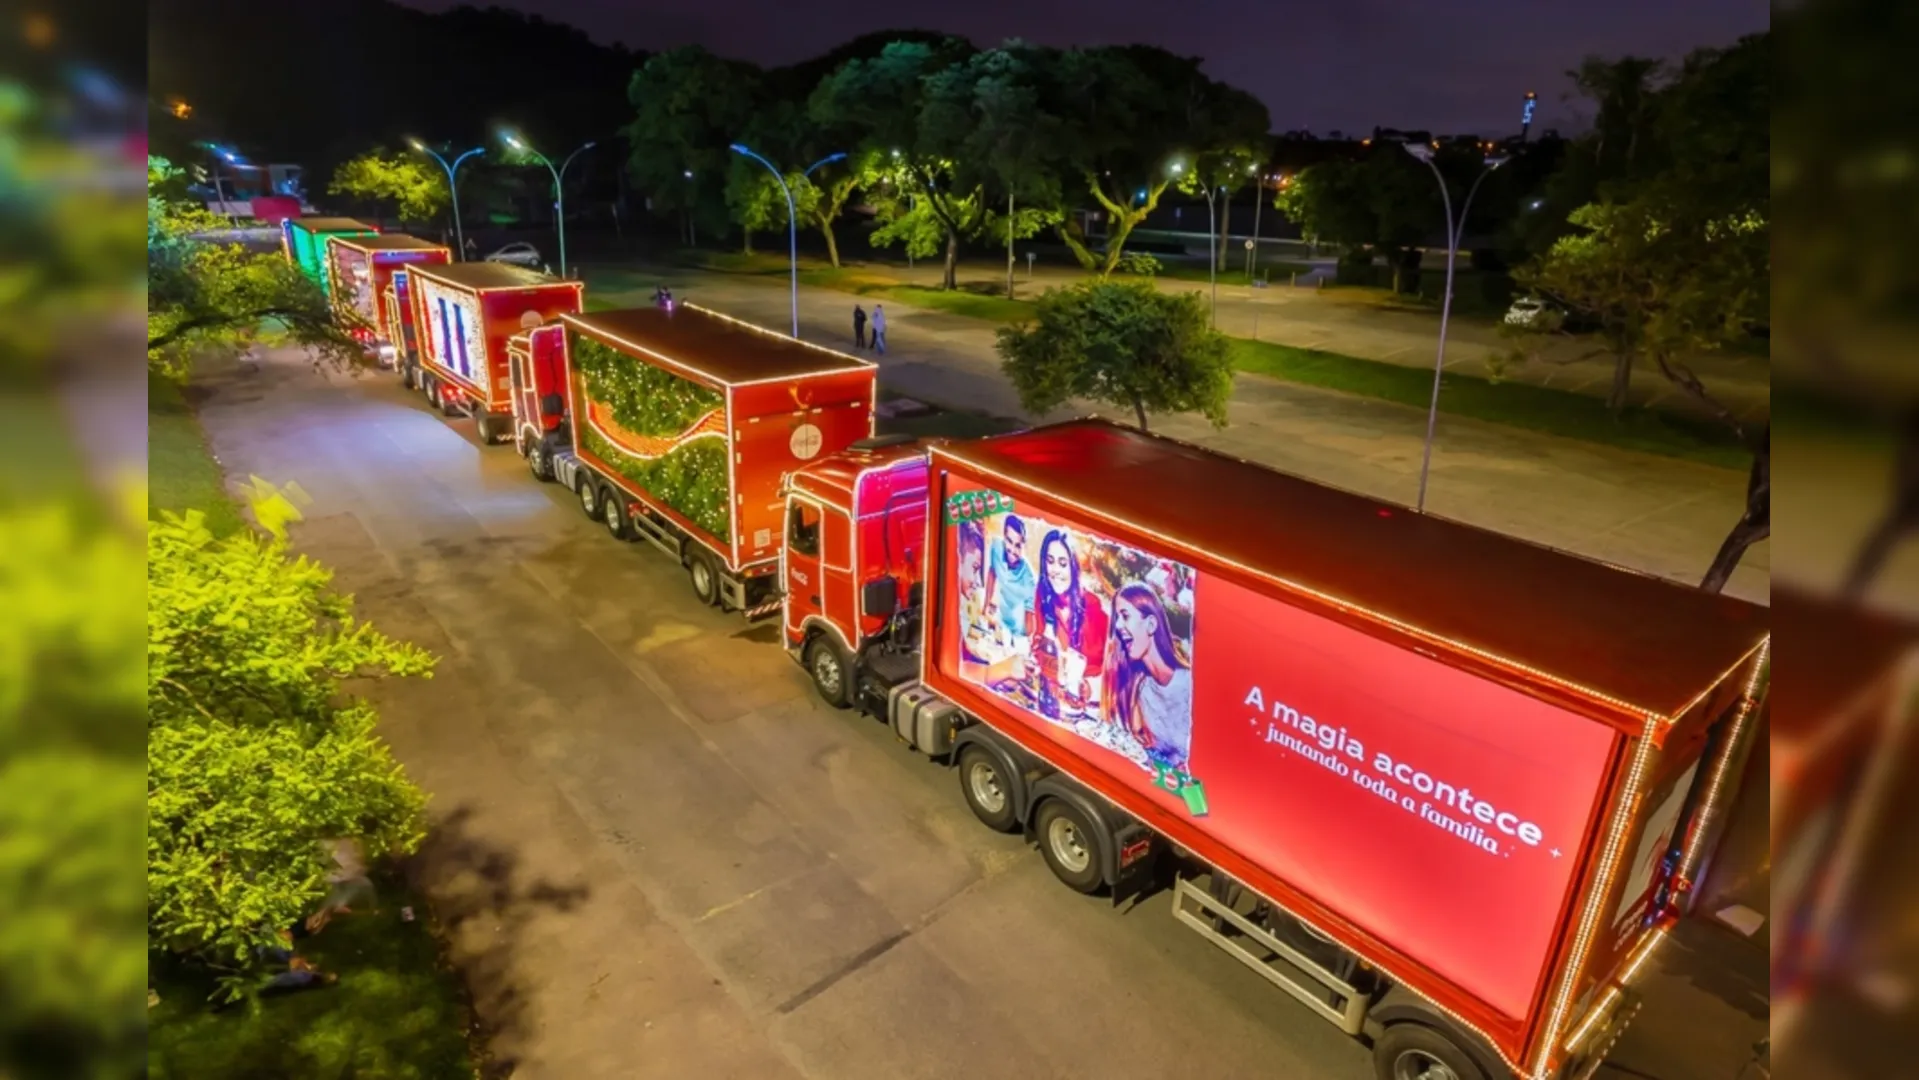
[
  {"x": 1411, "y": 1051},
  {"x": 537, "y": 463},
  {"x": 1068, "y": 842},
  {"x": 406, "y": 375},
  {"x": 483, "y": 426},
  {"x": 429, "y": 388},
  {"x": 705, "y": 579},
  {"x": 589, "y": 497},
  {"x": 828, "y": 668},
  {"x": 613, "y": 515},
  {"x": 986, "y": 791}
]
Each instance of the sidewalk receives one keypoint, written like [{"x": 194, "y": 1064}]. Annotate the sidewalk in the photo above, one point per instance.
[
  {"x": 1352, "y": 324},
  {"x": 1657, "y": 515}
]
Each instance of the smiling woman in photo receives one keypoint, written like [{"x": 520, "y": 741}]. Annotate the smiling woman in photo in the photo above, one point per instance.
[
  {"x": 1074, "y": 617},
  {"x": 1149, "y": 689}
]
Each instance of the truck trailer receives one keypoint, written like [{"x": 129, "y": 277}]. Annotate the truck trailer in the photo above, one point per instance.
[
  {"x": 1445, "y": 788},
  {"x": 361, "y": 273},
  {"x": 465, "y": 314},
  {"x": 677, "y": 425},
  {"x": 304, "y": 241}
]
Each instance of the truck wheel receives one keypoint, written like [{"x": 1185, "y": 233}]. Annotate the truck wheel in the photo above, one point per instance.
[
  {"x": 985, "y": 790},
  {"x": 589, "y": 498},
  {"x": 483, "y": 424},
  {"x": 828, "y": 668},
  {"x": 1066, "y": 839},
  {"x": 1412, "y": 1051},
  {"x": 704, "y": 579},
  {"x": 429, "y": 388},
  {"x": 613, "y": 515},
  {"x": 406, "y": 375},
  {"x": 536, "y": 460},
  {"x": 448, "y": 407}
]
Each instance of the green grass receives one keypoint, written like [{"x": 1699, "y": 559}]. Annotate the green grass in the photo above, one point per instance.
[
  {"x": 1533, "y": 408},
  {"x": 396, "y": 1013},
  {"x": 181, "y": 472}
]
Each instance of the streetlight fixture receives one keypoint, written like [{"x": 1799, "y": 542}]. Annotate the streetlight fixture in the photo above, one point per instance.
[
  {"x": 559, "y": 185},
  {"x": 453, "y": 185},
  {"x": 1424, "y": 153},
  {"x": 792, "y": 219}
]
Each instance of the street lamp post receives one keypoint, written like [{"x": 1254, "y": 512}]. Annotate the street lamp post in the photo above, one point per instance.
[
  {"x": 1212, "y": 248},
  {"x": 559, "y": 186},
  {"x": 1454, "y": 231},
  {"x": 453, "y": 186},
  {"x": 792, "y": 220}
]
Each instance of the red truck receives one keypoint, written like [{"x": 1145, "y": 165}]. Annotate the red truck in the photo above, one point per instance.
[
  {"x": 465, "y": 314},
  {"x": 677, "y": 425},
  {"x": 366, "y": 274},
  {"x": 1445, "y": 788}
]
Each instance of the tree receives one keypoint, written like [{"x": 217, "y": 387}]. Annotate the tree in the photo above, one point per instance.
[
  {"x": 256, "y": 757},
  {"x": 1384, "y": 204},
  {"x": 690, "y": 106},
  {"x": 204, "y": 296},
  {"x": 1127, "y": 113},
  {"x": 414, "y": 188},
  {"x": 886, "y": 99},
  {"x": 1120, "y": 343}
]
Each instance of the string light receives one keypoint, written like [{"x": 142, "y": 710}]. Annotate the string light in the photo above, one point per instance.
[
  {"x": 1749, "y": 700},
  {"x": 1623, "y": 817}
]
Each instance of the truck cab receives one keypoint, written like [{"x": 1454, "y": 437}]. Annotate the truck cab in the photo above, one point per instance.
[
  {"x": 852, "y": 576},
  {"x": 536, "y": 372}
]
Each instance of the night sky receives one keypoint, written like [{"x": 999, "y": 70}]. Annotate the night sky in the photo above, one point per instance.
[{"x": 1440, "y": 65}]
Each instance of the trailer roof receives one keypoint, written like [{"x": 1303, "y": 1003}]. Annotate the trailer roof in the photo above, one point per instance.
[
  {"x": 485, "y": 276},
  {"x": 331, "y": 225},
  {"x": 389, "y": 242},
  {"x": 704, "y": 342},
  {"x": 1638, "y": 641}
]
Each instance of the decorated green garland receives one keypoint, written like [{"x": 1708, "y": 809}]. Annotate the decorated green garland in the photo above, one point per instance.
[
  {"x": 643, "y": 399},
  {"x": 691, "y": 480},
  {"x": 647, "y": 400}
]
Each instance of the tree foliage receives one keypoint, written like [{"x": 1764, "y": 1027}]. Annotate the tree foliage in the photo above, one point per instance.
[
  {"x": 256, "y": 756},
  {"x": 1673, "y": 260},
  {"x": 411, "y": 186},
  {"x": 690, "y": 106},
  {"x": 205, "y": 296},
  {"x": 1121, "y": 343}
]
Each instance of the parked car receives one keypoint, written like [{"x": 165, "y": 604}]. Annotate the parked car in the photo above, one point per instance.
[
  {"x": 519, "y": 253},
  {"x": 1534, "y": 314}
]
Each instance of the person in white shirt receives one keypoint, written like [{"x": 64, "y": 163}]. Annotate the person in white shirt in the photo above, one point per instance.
[{"x": 879, "y": 329}]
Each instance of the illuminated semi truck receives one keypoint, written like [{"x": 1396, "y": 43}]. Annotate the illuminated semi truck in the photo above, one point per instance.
[
  {"x": 366, "y": 276},
  {"x": 464, "y": 315},
  {"x": 677, "y": 425},
  {"x": 304, "y": 242},
  {"x": 1446, "y": 789}
]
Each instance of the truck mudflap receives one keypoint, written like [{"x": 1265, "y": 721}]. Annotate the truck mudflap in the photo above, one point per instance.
[
  {"x": 1320, "y": 990},
  {"x": 924, "y": 719}
]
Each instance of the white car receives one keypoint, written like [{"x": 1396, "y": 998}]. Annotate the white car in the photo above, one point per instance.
[
  {"x": 1532, "y": 312},
  {"x": 519, "y": 253}
]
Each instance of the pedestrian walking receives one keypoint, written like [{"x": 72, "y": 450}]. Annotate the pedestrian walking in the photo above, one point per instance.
[
  {"x": 879, "y": 329},
  {"x": 859, "y": 327},
  {"x": 472, "y": 249}
]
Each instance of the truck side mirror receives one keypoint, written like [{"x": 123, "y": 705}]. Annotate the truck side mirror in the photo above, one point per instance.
[
  {"x": 880, "y": 597},
  {"x": 552, "y": 405}
]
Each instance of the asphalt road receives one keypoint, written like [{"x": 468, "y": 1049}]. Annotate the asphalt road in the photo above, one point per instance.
[{"x": 657, "y": 855}]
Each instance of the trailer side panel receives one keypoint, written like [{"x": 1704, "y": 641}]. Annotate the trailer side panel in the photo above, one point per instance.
[{"x": 1431, "y": 820}]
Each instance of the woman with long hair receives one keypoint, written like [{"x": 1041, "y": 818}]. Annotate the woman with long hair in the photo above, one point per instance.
[
  {"x": 1074, "y": 618},
  {"x": 1149, "y": 689}
]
